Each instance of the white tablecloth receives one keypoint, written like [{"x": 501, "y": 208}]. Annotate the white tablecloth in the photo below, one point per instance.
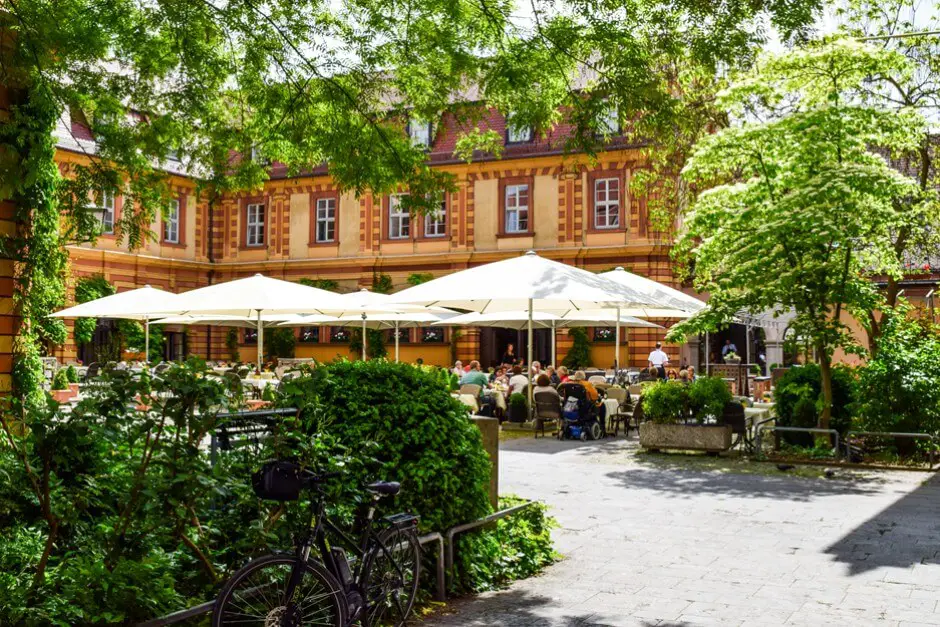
[{"x": 612, "y": 406}]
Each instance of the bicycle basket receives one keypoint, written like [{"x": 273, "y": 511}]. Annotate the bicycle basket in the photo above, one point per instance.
[{"x": 277, "y": 481}]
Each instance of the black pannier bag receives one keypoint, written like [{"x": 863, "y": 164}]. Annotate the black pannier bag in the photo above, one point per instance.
[{"x": 277, "y": 481}]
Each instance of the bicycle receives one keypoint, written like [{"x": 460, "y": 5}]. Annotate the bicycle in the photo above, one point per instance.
[{"x": 294, "y": 590}]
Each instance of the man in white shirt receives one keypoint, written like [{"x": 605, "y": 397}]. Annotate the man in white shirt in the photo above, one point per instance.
[{"x": 658, "y": 359}]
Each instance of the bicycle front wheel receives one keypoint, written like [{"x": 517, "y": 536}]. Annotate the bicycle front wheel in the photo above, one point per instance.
[
  {"x": 391, "y": 576},
  {"x": 256, "y": 596}
]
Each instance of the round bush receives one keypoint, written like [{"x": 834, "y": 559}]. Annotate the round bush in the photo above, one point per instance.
[
  {"x": 798, "y": 402},
  {"x": 708, "y": 397},
  {"x": 665, "y": 402},
  {"x": 423, "y": 437}
]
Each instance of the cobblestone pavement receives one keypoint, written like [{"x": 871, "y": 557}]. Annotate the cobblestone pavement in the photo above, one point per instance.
[{"x": 659, "y": 540}]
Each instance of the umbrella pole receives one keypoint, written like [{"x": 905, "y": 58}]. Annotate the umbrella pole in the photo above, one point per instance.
[
  {"x": 363, "y": 337},
  {"x": 529, "y": 357},
  {"x": 554, "y": 365},
  {"x": 260, "y": 342},
  {"x": 707, "y": 353},
  {"x": 617, "y": 345},
  {"x": 147, "y": 339},
  {"x": 396, "y": 340}
]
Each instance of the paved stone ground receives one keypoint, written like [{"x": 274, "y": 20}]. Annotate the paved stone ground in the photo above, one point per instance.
[{"x": 663, "y": 540}]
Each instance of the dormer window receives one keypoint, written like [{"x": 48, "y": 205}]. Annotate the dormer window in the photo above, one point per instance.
[
  {"x": 608, "y": 122},
  {"x": 258, "y": 157},
  {"x": 104, "y": 208},
  {"x": 421, "y": 132},
  {"x": 517, "y": 133}
]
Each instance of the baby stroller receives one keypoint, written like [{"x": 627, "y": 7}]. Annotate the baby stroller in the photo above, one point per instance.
[{"x": 578, "y": 415}]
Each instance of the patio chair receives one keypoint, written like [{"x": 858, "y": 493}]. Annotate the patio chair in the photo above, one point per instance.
[
  {"x": 471, "y": 388},
  {"x": 620, "y": 416},
  {"x": 735, "y": 417},
  {"x": 547, "y": 407},
  {"x": 597, "y": 379},
  {"x": 92, "y": 370}
]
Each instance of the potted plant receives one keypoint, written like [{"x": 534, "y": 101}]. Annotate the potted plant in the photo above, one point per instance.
[
  {"x": 72, "y": 375},
  {"x": 732, "y": 357},
  {"x": 686, "y": 417},
  {"x": 61, "y": 392},
  {"x": 518, "y": 407}
]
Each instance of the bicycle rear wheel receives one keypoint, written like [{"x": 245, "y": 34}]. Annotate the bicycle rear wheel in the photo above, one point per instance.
[
  {"x": 255, "y": 596},
  {"x": 391, "y": 577}
]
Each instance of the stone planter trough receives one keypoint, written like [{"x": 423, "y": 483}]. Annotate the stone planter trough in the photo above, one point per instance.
[{"x": 711, "y": 438}]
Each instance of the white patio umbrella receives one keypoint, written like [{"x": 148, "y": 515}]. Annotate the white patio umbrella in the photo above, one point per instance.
[
  {"x": 254, "y": 297},
  {"x": 137, "y": 304},
  {"x": 528, "y": 282},
  {"x": 541, "y": 319},
  {"x": 396, "y": 321},
  {"x": 365, "y": 305},
  {"x": 672, "y": 302}
]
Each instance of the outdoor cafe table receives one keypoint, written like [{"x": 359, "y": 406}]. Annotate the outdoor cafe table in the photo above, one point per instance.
[
  {"x": 498, "y": 396},
  {"x": 260, "y": 382}
]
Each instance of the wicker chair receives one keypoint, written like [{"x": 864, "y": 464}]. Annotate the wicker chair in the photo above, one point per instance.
[{"x": 621, "y": 415}]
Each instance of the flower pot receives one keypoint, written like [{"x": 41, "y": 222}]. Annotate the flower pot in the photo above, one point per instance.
[
  {"x": 61, "y": 396},
  {"x": 74, "y": 388},
  {"x": 711, "y": 438},
  {"x": 518, "y": 413},
  {"x": 733, "y": 361}
]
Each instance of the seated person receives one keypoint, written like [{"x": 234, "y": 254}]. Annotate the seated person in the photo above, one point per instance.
[
  {"x": 563, "y": 375},
  {"x": 552, "y": 375},
  {"x": 650, "y": 374},
  {"x": 672, "y": 375},
  {"x": 684, "y": 376},
  {"x": 475, "y": 377},
  {"x": 517, "y": 381},
  {"x": 581, "y": 379},
  {"x": 544, "y": 384}
]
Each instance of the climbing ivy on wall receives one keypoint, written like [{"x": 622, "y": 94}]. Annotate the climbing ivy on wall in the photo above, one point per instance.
[
  {"x": 324, "y": 284},
  {"x": 382, "y": 283}
]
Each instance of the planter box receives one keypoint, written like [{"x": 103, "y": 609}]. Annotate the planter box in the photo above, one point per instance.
[
  {"x": 712, "y": 438},
  {"x": 74, "y": 388},
  {"x": 61, "y": 396}
]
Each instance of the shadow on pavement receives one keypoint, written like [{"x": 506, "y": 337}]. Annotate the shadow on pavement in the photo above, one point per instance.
[{"x": 901, "y": 535}]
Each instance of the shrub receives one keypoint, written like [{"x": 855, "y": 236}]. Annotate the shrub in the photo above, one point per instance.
[
  {"x": 231, "y": 343},
  {"x": 798, "y": 402},
  {"x": 665, "y": 402},
  {"x": 280, "y": 342},
  {"x": 579, "y": 355},
  {"x": 519, "y": 546},
  {"x": 60, "y": 380},
  {"x": 708, "y": 397},
  {"x": 518, "y": 400},
  {"x": 424, "y": 438},
  {"x": 899, "y": 387},
  {"x": 72, "y": 374}
]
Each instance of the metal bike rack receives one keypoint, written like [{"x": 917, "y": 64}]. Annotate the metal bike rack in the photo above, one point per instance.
[
  {"x": 758, "y": 437},
  {"x": 440, "y": 593},
  {"x": 454, "y": 531},
  {"x": 893, "y": 434}
]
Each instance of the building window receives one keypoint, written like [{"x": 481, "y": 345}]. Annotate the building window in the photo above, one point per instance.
[
  {"x": 399, "y": 222},
  {"x": 607, "y": 203},
  {"x": 435, "y": 223},
  {"x": 432, "y": 335},
  {"x": 604, "y": 334},
  {"x": 250, "y": 337},
  {"x": 104, "y": 207},
  {"x": 608, "y": 122},
  {"x": 309, "y": 335},
  {"x": 517, "y": 209},
  {"x": 339, "y": 335},
  {"x": 258, "y": 157},
  {"x": 404, "y": 335},
  {"x": 421, "y": 132},
  {"x": 517, "y": 133},
  {"x": 326, "y": 220},
  {"x": 171, "y": 223},
  {"x": 254, "y": 224}
]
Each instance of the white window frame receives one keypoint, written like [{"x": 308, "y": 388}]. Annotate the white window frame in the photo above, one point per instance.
[
  {"x": 608, "y": 122},
  {"x": 399, "y": 221},
  {"x": 104, "y": 203},
  {"x": 171, "y": 223},
  {"x": 254, "y": 224},
  {"x": 421, "y": 132},
  {"x": 435, "y": 223},
  {"x": 516, "y": 134},
  {"x": 515, "y": 212},
  {"x": 602, "y": 208},
  {"x": 325, "y": 219}
]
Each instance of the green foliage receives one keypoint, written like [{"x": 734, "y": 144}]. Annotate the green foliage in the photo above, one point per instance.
[
  {"x": 231, "y": 343},
  {"x": 417, "y": 278},
  {"x": 60, "y": 381},
  {"x": 423, "y": 435},
  {"x": 324, "y": 284},
  {"x": 899, "y": 388},
  {"x": 269, "y": 394},
  {"x": 144, "y": 384},
  {"x": 798, "y": 400},
  {"x": 708, "y": 397},
  {"x": 382, "y": 284},
  {"x": 666, "y": 402},
  {"x": 796, "y": 211},
  {"x": 375, "y": 348},
  {"x": 579, "y": 355},
  {"x": 71, "y": 374},
  {"x": 519, "y": 546},
  {"x": 279, "y": 342},
  {"x": 518, "y": 401},
  {"x": 87, "y": 289},
  {"x": 133, "y": 336}
]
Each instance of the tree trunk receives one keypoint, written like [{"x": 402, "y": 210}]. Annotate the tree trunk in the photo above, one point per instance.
[{"x": 825, "y": 376}]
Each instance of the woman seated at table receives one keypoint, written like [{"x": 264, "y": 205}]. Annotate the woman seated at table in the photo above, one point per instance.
[
  {"x": 563, "y": 375},
  {"x": 518, "y": 381},
  {"x": 544, "y": 384}
]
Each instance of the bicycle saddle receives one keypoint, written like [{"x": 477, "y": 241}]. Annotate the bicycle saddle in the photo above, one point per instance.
[{"x": 384, "y": 488}]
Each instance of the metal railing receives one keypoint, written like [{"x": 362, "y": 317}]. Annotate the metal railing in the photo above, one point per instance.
[
  {"x": 444, "y": 564},
  {"x": 892, "y": 434},
  {"x": 759, "y": 429}
]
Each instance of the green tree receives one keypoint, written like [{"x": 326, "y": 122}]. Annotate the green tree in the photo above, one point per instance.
[
  {"x": 324, "y": 284},
  {"x": 798, "y": 211},
  {"x": 579, "y": 355}
]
